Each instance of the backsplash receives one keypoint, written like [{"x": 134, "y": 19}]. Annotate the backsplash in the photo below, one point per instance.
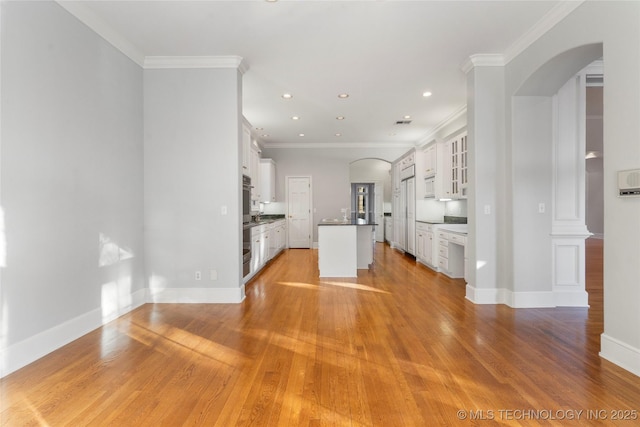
[{"x": 455, "y": 219}]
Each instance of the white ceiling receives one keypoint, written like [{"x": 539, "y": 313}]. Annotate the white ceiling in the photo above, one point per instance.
[{"x": 384, "y": 54}]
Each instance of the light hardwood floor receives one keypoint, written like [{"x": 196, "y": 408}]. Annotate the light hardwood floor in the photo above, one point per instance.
[{"x": 398, "y": 346}]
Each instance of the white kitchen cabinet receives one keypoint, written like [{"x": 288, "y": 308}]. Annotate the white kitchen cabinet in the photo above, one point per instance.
[
  {"x": 388, "y": 229},
  {"x": 281, "y": 236},
  {"x": 411, "y": 216},
  {"x": 246, "y": 149},
  {"x": 464, "y": 172},
  {"x": 255, "y": 177},
  {"x": 424, "y": 244},
  {"x": 429, "y": 161},
  {"x": 451, "y": 253},
  {"x": 456, "y": 178},
  {"x": 258, "y": 243},
  {"x": 267, "y": 180}
]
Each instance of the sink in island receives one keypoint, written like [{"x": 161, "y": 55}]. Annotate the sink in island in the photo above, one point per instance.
[{"x": 344, "y": 247}]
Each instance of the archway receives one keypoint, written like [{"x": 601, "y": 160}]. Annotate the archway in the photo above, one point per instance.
[{"x": 548, "y": 155}]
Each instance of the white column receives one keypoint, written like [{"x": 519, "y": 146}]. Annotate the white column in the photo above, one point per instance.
[{"x": 568, "y": 228}]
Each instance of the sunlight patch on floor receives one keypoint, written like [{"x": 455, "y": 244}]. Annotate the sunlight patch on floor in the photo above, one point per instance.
[
  {"x": 356, "y": 286},
  {"x": 172, "y": 340},
  {"x": 299, "y": 285}
]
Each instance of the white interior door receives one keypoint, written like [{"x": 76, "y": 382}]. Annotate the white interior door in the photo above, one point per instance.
[{"x": 299, "y": 211}]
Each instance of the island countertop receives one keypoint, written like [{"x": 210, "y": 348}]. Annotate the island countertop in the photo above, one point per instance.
[{"x": 348, "y": 222}]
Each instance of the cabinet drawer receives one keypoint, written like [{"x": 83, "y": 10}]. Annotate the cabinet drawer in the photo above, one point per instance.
[
  {"x": 443, "y": 235},
  {"x": 420, "y": 226},
  {"x": 443, "y": 251},
  {"x": 457, "y": 238},
  {"x": 443, "y": 263}
]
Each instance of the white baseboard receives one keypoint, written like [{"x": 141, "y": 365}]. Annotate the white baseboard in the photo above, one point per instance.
[
  {"x": 196, "y": 295},
  {"x": 571, "y": 298},
  {"x": 527, "y": 299},
  {"x": 33, "y": 348},
  {"x": 485, "y": 296},
  {"x": 620, "y": 353}
]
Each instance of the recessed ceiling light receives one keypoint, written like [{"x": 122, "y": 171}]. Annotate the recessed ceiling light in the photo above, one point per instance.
[
  {"x": 295, "y": 118},
  {"x": 287, "y": 96},
  {"x": 266, "y": 135},
  {"x": 301, "y": 134},
  {"x": 338, "y": 134},
  {"x": 259, "y": 128},
  {"x": 407, "y": 117},
  {"x": 340, "y": 118},
  {"x": 343, "y": 95},
  {"x": 426, "y": 94}
]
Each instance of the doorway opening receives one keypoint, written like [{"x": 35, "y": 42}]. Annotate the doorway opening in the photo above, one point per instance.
[{"x": 363, "y": 203}]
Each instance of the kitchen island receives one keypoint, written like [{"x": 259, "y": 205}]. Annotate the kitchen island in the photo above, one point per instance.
[{"x": 344, "y": 247}]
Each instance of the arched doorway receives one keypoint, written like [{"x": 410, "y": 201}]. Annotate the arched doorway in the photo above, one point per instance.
[{"x": 548, "y": 151}]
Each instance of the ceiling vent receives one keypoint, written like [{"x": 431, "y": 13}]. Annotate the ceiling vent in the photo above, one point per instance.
[{"x": 403, "y": 122}]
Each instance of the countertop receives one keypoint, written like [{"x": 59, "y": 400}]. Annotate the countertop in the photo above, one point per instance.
[
  {"x": 341, "y": 222},
  {"x": 267, "y": 220},
  {"x": 454, "y": 228}
]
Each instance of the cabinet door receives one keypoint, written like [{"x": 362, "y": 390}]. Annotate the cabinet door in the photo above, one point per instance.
[
  {"x": 411, "y": 217},
  {"x": 430, "y": 161},
  {"x": 420, "y": 244},
  {"x": 255, "y": 251},
  {"x": 255, "y": 175},
  {"x": 246, "y": 150},
  {"x": 267, "y": 180},
  {"x": 428, "y": 247},
  {"x": 464, "y": 174},
  {"x": 264, "y": 247}
]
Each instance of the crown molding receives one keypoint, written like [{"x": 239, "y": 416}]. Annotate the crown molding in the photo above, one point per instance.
[
  {"x": 104, "y": 30},
  {"x": 450, "y": 119},
  {"x": 164, "y": 62},
  {"x": 483, "y": 60},
  {"x": 548, "y": 21},
  {"x": 332, "y": 145}
]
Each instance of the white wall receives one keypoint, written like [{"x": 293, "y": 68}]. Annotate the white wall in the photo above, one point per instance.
[
  {"x": 329, "y": 169},
  {"x": 531, "y": 184},
  {"x": 72, "y": 181},
  {"x": 372, "y": 170},
  {"x": 192, "y": 174}
]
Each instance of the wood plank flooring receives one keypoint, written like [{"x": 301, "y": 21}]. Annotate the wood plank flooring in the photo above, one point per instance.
[{"x": 398, "y": 346}]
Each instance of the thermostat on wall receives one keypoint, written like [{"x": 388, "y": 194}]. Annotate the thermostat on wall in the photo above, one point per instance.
[{"x": 629, "y": 183}]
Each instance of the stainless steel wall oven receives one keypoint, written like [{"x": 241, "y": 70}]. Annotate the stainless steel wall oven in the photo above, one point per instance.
[{"x": 246, "y": 226}]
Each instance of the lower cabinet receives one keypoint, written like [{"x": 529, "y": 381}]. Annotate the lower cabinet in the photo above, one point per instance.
[
  {"x": 451, "y": 253},
  {"x": 424, "y": 244},
  {"x": 267, "y": 241}
]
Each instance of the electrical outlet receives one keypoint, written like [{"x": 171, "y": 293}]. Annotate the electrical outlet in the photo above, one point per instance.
[
  {"x": 487, "y": 209},
  {"x": 198, "y": 275},
  {"x": 541, "y": 208}
]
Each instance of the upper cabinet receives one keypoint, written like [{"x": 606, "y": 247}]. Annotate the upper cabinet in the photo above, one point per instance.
[
  {"x": 457, "y": 164},
  {"x": 429, "y": 160},
  {"x": 268, "y": 180},
  {"x": 254, "y": 173},
  {"x": 246, "y": 149},
  {"x": 444, "y": 169}
]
